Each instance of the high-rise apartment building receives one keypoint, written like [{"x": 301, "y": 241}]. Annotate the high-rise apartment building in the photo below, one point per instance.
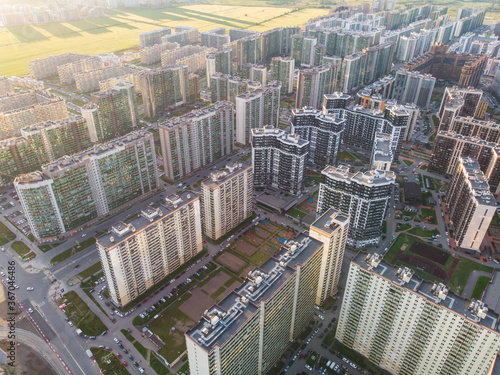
[
  {"x": 459, "y": 102},
  {"x": 255, "y": 72},
  {"x": 413, "y": 87},
  {"x": 226, "y": 87},
  {"x": 152, "y": 54},
  {"x": 255, "y": 109},
  {"x": 303, "y": 50},
  {"x": 282, "y": 69},
  {"x": 68, "y": 71},
  {"x": 150, "y": 38},
  {"x": 353, "y": 72},
  {"x": 112, "y": 113},
  {"x": 364, "y": 197},
  {"x": 88, "y": 81},
  {"x": 247, "y": 50},
  {"x": 407, "y": 325},
  {"x": 247, "y": 331},
  {"x": 5, "y": 86},
  {"x": 323, "y": 132},
  {"x": 381, "y": 157},
  {"x": 215, "y": 38},
  {"x": 17, "y": 156},
  {"x": 331, "y": 228},
  {"x": 470, "y": 205},
  {"x": 137, "y": 255},
  {"x": 167, "y": 87},
  {"x": 235, "y": 34},
  {"x": 194, "y": 57},
  {"x": 76, "y": 189},
  {"x": 219, "y": 61},
  {"x": 278, "y": 159},
  {"x": 196, "y": 139},
  {"x": 27, "y": 108},
  {"x": 47, "y": 67},
  {"x": 313, "y": 83},
  {"x": 276, "y": 42},
  {"x": 55, "y": 139},
  {"x": 226, "y": 199},
  {"x": 183, "y": 35}
]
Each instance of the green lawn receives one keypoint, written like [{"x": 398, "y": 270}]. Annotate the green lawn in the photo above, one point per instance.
[
  {"x": 23, "y": 250},
  {"x": 403, "y": 227},
  {"x": 429, "y": 212},
  {"x": 78, "y": 102},
  {"x": 158, "y": 365},
  {"x": 294, "y": 212},
  {"x": 108, "y": 363},
  {"x": 312, "y": 359},
  {"x": 462, "y": 272},
  {"x": 481, "y": 284},
  {"x": 422, "y": 232},
  {"x": 435, "y": 121},
  {"x": 81, "y": 315},
  {"x": 408, "y": 162},
  {"x": 5, "y": 234},
  {"x": 20, "y": 44},
  {"x": 73, "y": 250},
  {"x": 90, "y": 271}
]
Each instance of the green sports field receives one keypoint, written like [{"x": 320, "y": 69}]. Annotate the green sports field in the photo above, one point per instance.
[{"x": 120, "y": 31}]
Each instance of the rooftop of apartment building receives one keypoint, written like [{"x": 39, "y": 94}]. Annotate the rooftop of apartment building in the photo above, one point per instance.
[
  {"x": 285, "y": 137},
  {"x": 220, "y": 51},
  {"x": 196, "y": 114},
  {"x": 276, "y": 85},
  {"x": 309, "y": 111},
  {"x": 337, "y": 95},
  {"x": 416, "y": 73},
  {"x": 219, "y": 177},
  {"x": 316, "y": 69},
  {"x": 478, "y": 182},
  {"x": 472, "y": 120},
  {"x": 369, "y": 178},
  {"x": 47, "y": 125},
  {"x": 121, "y": 231},
  {"x": 382, "y": 148},
  {"x": 223, "y": 320},
  {"x": 437, "y": 293},
  {"x": 9, "y": 142},
  {"x": 330, "y": 221},
  {"x": 463, "y": 138}
]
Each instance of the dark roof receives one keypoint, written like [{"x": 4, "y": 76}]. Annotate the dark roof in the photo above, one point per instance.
[{"x": 412, "y": 192}]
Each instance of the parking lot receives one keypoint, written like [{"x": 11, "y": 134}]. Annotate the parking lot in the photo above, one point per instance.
[{"x": 12, "y": 210}]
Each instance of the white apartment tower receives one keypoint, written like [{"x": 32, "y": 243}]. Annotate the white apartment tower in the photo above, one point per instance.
[
  {"x": 409, "y": 326},
  {"x": 470, "y": 205},
  {"x": 226, "y": 199},
  {"x": 137, "y": 255},
  {"x": 331, "y": 229}
]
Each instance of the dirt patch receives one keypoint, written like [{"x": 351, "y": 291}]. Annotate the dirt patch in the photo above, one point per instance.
[
  {"x": 215, "y": 282},
  {"x": 245, "y": 247},
  {"x": 196, "y": 305},
  {"x": 275, "y": 241},
  {"x": 28, "y": 361},
  {"x": 422, "y": 264},
  {"x": 253, "y": 239},
  {"x": 268, "y": 226},
  {"x": 430, "y": 252},
  {"x": 231, "y": 262},
  {"x": 494, "y": 231},
  {"x": 262, "y": 233}
]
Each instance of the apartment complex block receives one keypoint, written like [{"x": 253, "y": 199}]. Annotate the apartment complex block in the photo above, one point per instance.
[
  {"x": 5, "y": 86},
  {"x": 226, "y": 87},
  {"x": 194, "y": 140},
  {"x": 226, "y": 199},
  {"x": 278, "y": 159},
  {"x": 331, "y": 229},
  {"x": 17, "y": 156},
  {"x": 255, "y": 109},
  {"x": 282, "y": 70},
  {"x": 313, "y": 83},
  {"x": 413, "y": 87},
  {"x": 150, "y": 38},
  {"x": 248, "y": 330},
  {"x": 435, "y": 331},
  {"x": 255, "y": 72},
  {"x": 137, "y": 255},
  {"x": 235, "y": 34},
  {"x": 460, "y": 102},
  {"x": 76, "y": 189},
  {"x": 89, "y": 81},
  {"x": 112, "y": 113},
  {"x": 28, "y": 108},
  {"x": 381, "y": 157},
  {"x": 465, "y": 69},
  {"x": 54, "y": 139},
  {"x": 47, "y": 67},
  {"x": 152, "y": 54},
  {"x": 68, "y": 71},
  {"x": 470, "y": 205},
  {"x": 167, "y": 87},
  {"x": 215, "y": 38},
  {"x": 323, "y": 132},
  {"x": 364, "y": 197},
  {"x": 183, "y": 35},
  {"x": 219, "y": 61}
]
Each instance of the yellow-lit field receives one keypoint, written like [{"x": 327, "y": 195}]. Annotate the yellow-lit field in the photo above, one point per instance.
[{"x": 120, "y": 31}]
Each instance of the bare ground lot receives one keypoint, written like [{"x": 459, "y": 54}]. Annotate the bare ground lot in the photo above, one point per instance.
[
  {"x": 430, "y": 252},
  {"x": 231, "y": 262}
]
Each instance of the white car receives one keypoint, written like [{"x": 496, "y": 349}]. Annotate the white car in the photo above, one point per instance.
[
  {"x": 30, "y": 288},
  {"x": 83, "y": 235},
  {"x": 70, "y": 324},
  {"x": 30, "y": 310}
]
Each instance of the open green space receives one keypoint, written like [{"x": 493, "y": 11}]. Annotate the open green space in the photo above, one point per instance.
[
  {"x": 108, "y": 363},
  {"x": 403, "y": 227},
  {"x": 408, "y": 162},
  {"x": 429, "y": 213},
  {"x": 435, "y": 121},
  {"x": 140, "y": 348},
  {"x": 422, "y": 232},
  {"x": 90, "y": 271},
  {"x": 158, "y": 365},
  {"x": 73, "y": 250},
  {"x": 481, "y": 284},
  {"x": 295, "y": 212},
  {"x": 6, "y": 234},
  {"x": 81, "y": 315},
  {"x": 462, "y": 272},
  {"x": 20, "y": 44},
  {"x": 162, "y": 326},
  {"x": 23, "y": 250}
]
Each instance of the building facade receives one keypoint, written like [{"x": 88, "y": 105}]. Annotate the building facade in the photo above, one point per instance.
[
  {"x": 137, "y": 255},
  {"x": 226, "y": 199},
  {"x": 282, "y": 70}
]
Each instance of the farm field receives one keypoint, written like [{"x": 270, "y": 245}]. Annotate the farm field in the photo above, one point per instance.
[{"x": 120, "y": 31}]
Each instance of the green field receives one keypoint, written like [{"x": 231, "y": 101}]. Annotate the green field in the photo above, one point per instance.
[
  {"x": 5, "y": 234},
  {"x": 81, "y": 315},
  {"x": 481, "y": 284},
  {"x": 20, "y": 44},
  {"x": 23, "y": 250}
]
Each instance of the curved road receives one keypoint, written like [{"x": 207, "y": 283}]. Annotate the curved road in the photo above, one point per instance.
[{"x": 39, "y": 346}]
